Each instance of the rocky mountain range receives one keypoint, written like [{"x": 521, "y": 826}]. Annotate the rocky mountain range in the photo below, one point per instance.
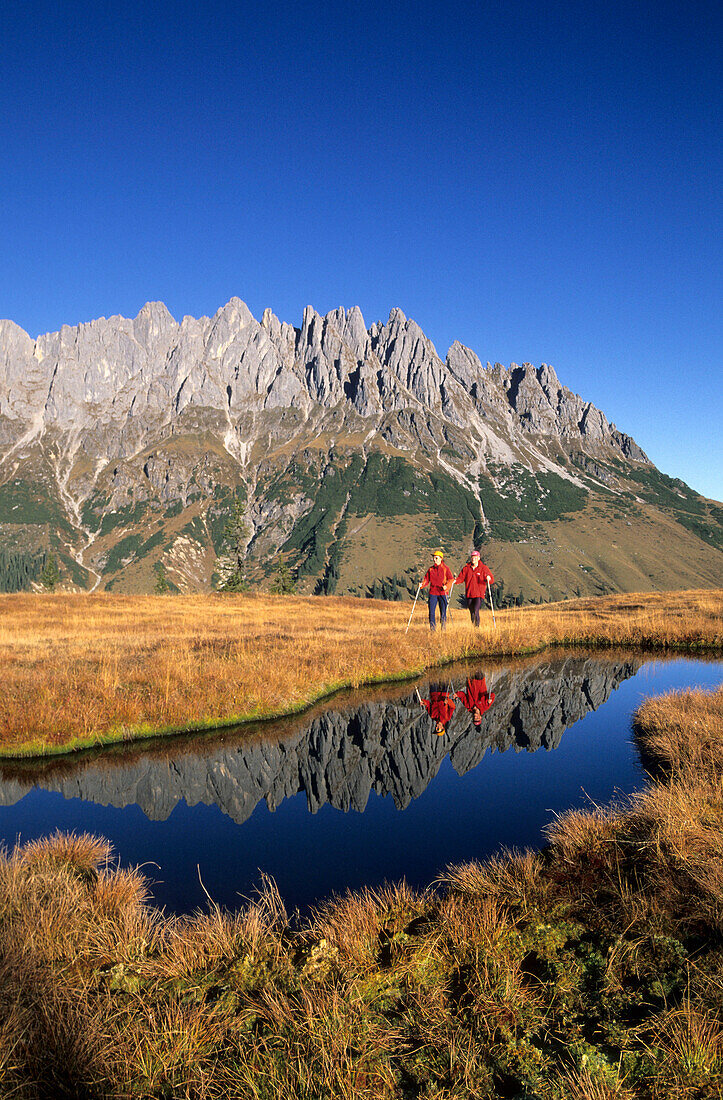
[
  {"x": 345, "y": 452},
  {"x": 342, "y": 755}
]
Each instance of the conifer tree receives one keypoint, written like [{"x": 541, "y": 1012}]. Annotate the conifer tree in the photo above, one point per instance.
[
  {"x": 50, "y": 574},
  {"x": 284, "y": 582},
  {"x": 18, "y": 570},
  {"x": 161, "y": 587},
  {"x": 233, "y": 564}
]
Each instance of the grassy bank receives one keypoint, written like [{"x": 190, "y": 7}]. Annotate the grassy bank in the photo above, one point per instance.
[
  {"x": 79, "y": 670},
  {"x": 590, "y": 971}
]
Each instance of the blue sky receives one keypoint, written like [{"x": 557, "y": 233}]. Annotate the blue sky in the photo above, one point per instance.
[{"x": 538, "y": 180}]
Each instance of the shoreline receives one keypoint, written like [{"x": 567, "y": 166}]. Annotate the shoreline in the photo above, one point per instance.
[
  {"x": 115, "y": 673},
  {"x": 142, "y": 735}
]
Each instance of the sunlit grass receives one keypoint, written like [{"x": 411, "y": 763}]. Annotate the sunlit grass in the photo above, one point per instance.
[
  {"x": 684, "y": 731},
  {"x": 78, "y": 669}
]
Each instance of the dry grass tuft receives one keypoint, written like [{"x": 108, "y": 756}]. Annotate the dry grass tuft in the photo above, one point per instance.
[
  {"x": 683, "y": 731},
  {"x": 120, "y": 894},
  {"x": 79, "y": 851},
  {"x": 692, "y": 1045},
  {"x": 680, "y": 815},
  {"x": 677, "y": 830},
  {"x": 586, "y": 1084},
  {"x": 511, "y": 878},
  {"x": 347, "y": 929},
  {"x": 580, "y": 832}
]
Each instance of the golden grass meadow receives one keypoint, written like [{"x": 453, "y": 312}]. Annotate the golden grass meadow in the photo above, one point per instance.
[{"x": 81, "y": 670}]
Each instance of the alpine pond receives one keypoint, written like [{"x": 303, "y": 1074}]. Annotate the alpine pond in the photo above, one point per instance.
[{"x": 364, "y": 789}]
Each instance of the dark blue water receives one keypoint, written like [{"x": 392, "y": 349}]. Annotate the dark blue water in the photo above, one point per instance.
[{"x": 366, "y": 792}]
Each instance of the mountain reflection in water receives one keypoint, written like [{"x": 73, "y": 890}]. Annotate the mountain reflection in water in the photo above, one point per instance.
[{"x": 341, "y": 755}]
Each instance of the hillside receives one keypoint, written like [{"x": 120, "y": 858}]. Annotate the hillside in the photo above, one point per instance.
[{"x": 345, "y": 452}]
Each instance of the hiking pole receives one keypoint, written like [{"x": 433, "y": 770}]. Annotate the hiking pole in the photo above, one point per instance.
[
  {"x": 489, "y": 592},
  {"x": 449, "y": 601},
  {"x": 414, "y": 605}
]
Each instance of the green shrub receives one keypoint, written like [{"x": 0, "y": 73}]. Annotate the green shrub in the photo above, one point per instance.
[
  {"x": 125, "y": 516},
  {"x": 383, "y": 486},
  {"x": 126, "y": 548},
  {"x": 521, "y": 497},
  {"x": 669, "y": 492},
  {"x": 196, "y": 529},
  {"x": 24, "y": 503}
]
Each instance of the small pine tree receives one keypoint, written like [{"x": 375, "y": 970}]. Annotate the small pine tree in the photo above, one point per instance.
[
  {"x": 235, "y": 582},
  {"x": 50, "y": 574},
  {"x": 161, "y": 587},
  {"x": 284, "y": 582},
  {"x": 233, "y": 564}
]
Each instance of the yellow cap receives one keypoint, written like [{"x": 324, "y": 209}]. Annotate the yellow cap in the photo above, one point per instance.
[{"x": 440, "y": 552}]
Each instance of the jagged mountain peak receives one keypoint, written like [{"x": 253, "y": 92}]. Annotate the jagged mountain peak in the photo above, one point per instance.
[
  {"x": 15, "y": 343},
  {"x": 152, "y": 321},
  {"x": 9, "y": 330}
]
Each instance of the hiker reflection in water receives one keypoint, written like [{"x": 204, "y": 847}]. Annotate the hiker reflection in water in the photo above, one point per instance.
[
  {"x": 476, "y": 698},
  {"x": 440, "y": 707}
]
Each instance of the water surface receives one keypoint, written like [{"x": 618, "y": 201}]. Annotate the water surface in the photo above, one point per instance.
[{"x": 362, "y": 790}]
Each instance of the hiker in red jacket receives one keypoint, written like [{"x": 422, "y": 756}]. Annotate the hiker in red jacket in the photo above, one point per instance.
[
  {"x": 477, "y": 699},
  {"x": 439, "y": 577},
  {"x": 475, "y": 575},
  {"x": 440, "y": 707}
]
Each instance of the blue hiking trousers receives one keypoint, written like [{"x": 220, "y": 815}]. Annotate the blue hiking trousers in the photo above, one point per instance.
[{"x": 433, "y": 601}]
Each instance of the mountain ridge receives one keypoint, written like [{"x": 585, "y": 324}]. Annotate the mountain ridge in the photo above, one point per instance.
[{"x": 108, "y": 426}]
